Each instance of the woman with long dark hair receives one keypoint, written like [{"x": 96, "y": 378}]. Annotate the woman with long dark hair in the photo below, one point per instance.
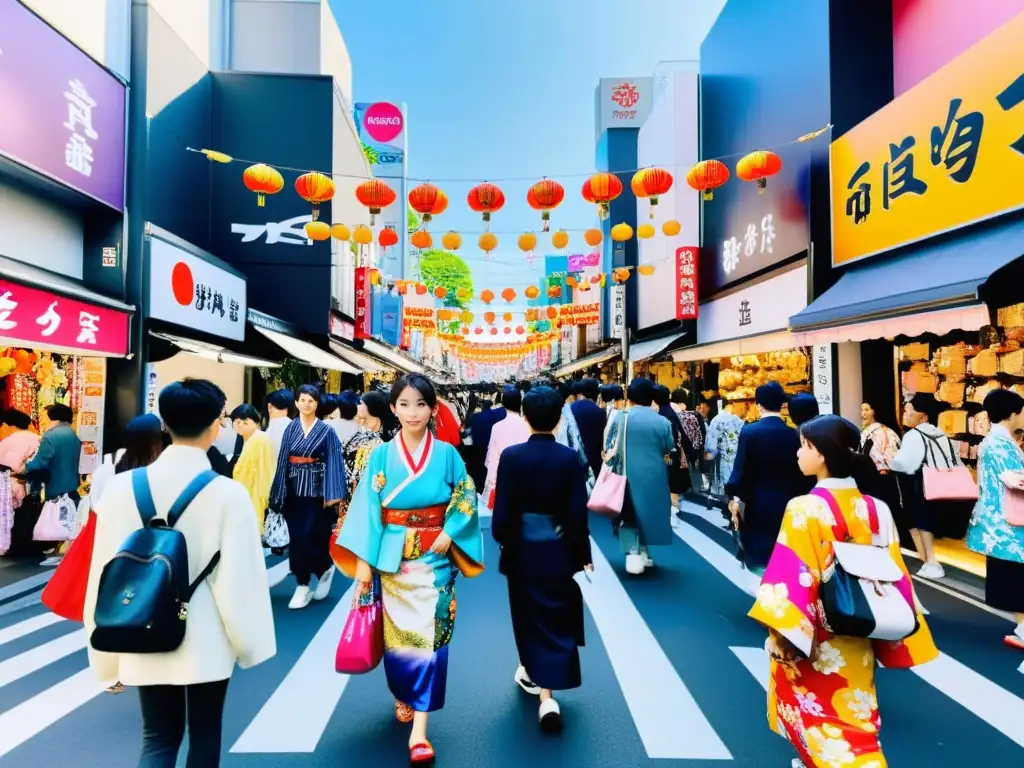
[{"x": 821, "y": 694}]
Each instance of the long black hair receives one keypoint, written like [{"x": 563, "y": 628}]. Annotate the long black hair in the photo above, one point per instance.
[
  {"x": 418, "y": 382},
  {"x": 838, "y": 442},
  {"x": 377, "y": 405},
  {"x": 143, "y": 443}
]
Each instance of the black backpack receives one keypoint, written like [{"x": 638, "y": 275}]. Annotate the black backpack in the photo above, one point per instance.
[{"x": 144, "y": 591}]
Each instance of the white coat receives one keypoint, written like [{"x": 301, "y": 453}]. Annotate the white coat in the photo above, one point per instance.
[{"x": 229, "y": 618}]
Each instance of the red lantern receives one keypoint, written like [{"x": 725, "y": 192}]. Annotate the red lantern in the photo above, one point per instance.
[
  {"x": 554, "y": 291},
  {"x": 478, "y": 330},
  {"x": 707, "y": 176},
  {"x": 375, "y": 195},
  {"x": 650, "y": 183},
  {"x": 428, "y": 201},
  {"x": 315, "y": 188},
  {"x": 600, "y": 189},
  {"x": 757, "y": 167},
  {"x": 509, "y": 295},
  {"x": 421, "y": 289},
  {"x": 486, "y": 198},
  {"x": 552, "y": 313},
  {"x": 508, "y": 331},
  {"x": 440, "y": 291},
  {"x": 545, "y": 196},
  {"x": 465, "y": 330},
  {"x": 487, "y": 296},
  {"x": 387, "y": 237},
  {"x": 494, "y": 331},
  {"x": 520, "y": 330},
  {"x": 263, "y": 180}
]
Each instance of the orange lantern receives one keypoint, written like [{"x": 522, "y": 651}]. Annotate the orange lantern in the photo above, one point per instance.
[
  {"x": 571, "y": 281},
  {"x": 318, "y": 230},
  {"x": 489, "y": 318},
  {"x": 671, "y": 228},
  {"x": 646, "y": 269},
  {"x": 421, "y": 239},
  {"x": 645, "y": 232},
  {"x": 263, "y": 180},
  {"x": 486, "y": 198},
  {"x": 463, "y": 292},
  {"x": 494, "y": 331},
  {"x": 531, "y": 315},
  {"x": 451, "y": 241},
  {"x": 387, "y": 237},
  {"x": 508, "y": 331},
  {"x": 545, "y": 196},
  {"x": 620, "y": 276},
  {"x": 560, "y": 239},
  {"x": 363, "y": 235},
  {"x": 554, "y": 291},
  {"x": 520, "y": 330},
  {"x": 552, "y": 313},
  {"x": 600, "y": 189},
  {"x": 487, "y": 242},
  {"x": 651, "y": 183},
  {"x": 376, "y": 196},
  {"x": 421, "y": 289},
  {"x": 478, "y": 330},
  {"x": 532, "y": 292},
  {"x": 486, "y": 296},
  {"x": 622, "y": 232},
  {"x": 509, "y": 295},
  {"x": 402, "y": 287},
  {"x": 707, "y": 176},
  {"x": 444, "y": 314},
  {"x": 440, "y": 291},
  {"x": 315, "y": 188},
  {"x": 527, "y": 242},
  {"x": 424, "y": 198},
  {"x": 340, "y": 232},
  {"x": 465, "y": 330},
  {"x": 593, "y": 237},
  {"x": 507, "y": 317},
  {"x": 757, "y": 167}
]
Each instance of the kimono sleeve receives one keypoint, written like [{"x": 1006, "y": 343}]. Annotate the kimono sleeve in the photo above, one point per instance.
[
  {"x": 920, "y": 647},
  {"x": 504, "y": 488},
  {"x": 262, "y": 469},
  {"x": 461, "y": 521},
  {"x": 736, "y": 483},
  {"x": 361, "y": 535},
  {"x": 334, "y": 469},
  {"x": 788, "y": 596},
  {"x": 277, "y": 487},
  {"x": 579, "y": 519}
]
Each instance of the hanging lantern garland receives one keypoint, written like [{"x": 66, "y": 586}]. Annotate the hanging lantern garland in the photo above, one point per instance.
[
  {"x": 376, "y": 196},
  {"x": 560, "y": 240},
  {"x": 451, "y": 241},
  {"x": 527, "y": 242},
  {"x": 423, "y": 199},
  {"x": 707, "y": 176},
  {"x": 645, "y": 232},
  {"x": 622, "y": 232},
  {"x": 545, "y": 196},
  {"x": 757, "y": 167},
  {"x": 486, "y": 199},
  {"x": 318, "y": 231},
  {"x": 593, "y": 237},
  {"x": 263, "y": 180},
  {"x": 421, "y": 239},
  {"x": 487, "y": 242},
  {"x": 387, "y": 238},
  {"x": 671, "y": 228},
  {"x": 651, "y": 183},
  {"x": 340, "y": 232},
  {"x": 315, "y": 188},
  {"x": 600, "y": 189}
]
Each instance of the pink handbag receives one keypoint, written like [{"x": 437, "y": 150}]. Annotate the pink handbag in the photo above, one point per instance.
[
  {"x": 609, "y": 492},
  {"x": 953, "y": 482},
  {"x": 1013, "y": 498},
  {"x": 361, "y": 646}
]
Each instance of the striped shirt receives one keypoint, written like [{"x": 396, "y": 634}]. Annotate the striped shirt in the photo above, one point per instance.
[{"x": 324, "y": 478}]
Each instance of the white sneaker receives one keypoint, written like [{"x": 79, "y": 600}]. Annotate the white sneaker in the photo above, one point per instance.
[
  {"x": 635, "y": 564},
  {"x": 523, "y": 681},
  {"x": 323, "y": 586},
  {"x": 648, "y": 562},
  {"x": 50, "y": 562},
  {"x": 303, "y": 596},
  {"x": 550, "y": 716},
  {"x": 931, "y": 571}
]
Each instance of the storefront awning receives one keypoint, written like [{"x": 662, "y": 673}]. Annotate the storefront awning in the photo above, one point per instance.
[
  {"x": 750, "y": 345},
  {"x": 870, "y": 301},
  {"x": 307, "y": 353},
  {"x": 214, "y": 352},
  {"x": 391, "y": 356},
  {"x": 594, "y": 358},
  {"x": 359, "y": 360},
  {"x": 645, "y": 350},
  {"x": 48, "y": 281}
]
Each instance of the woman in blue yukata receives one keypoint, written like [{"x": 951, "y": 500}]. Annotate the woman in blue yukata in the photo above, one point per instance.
[
  {"x": 413, "y": 521},
  {"x": 308, "y": 483}
]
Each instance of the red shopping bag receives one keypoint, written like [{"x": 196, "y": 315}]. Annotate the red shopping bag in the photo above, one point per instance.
[
  {"x": 361, "y": 646},
  {"x": 65, "y": 593}
]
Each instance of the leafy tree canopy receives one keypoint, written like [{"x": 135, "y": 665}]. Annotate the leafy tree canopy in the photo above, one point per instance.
[
  {"x": 412, "y": 221},
  {"x": 444, "y": 268}
]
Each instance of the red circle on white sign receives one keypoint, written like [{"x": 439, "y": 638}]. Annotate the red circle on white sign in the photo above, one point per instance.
[{"x": 182, "y": 284}]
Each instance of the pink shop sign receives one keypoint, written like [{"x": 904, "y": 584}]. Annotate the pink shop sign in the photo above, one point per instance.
[{"x": 38, "y": 319}]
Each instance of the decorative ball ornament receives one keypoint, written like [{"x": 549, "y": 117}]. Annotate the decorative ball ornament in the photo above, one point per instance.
[
  {"x": 490, "y": 317},
  {"x": 707, "y": 176},
  {"x": 440, "y": 292},
  {"x": 560, "y": 239},
  {"x": 463, "y": 293},
  {"x": 451, "y": 241},
  {"x": 421, "y": 289},
  {"x": 315, "y": 188},
  {"x": 645, "y": 232},
  {"x": 757, "y": 167},
  {"x": 318, "y": 230},
  {"x": 600, "y": 189},
  {"x": 494, "y": 331},
  {"x": 363, "y": 235},
  {"x": 622, "y": 232},
  {"x": 671, "y": 228},
  {"x": 487, "y": 242},
  {"x": 421, "y": 239},
  {"x": 593, "y": 237},
  {"x": 520, "y": 330},
  {"x": 261, "y": 179},
  {"x": 545, "y": 196},
  {"x": 651, "y": 183},
  {"x": 646, "y": 269},
  {"x": 527, "y": 242},
  {"x": 486, "y": 296},
  {"x": 340, "y": 232},
  {"x": 508, "y": 331},
  {"x": 478, "y": 330},
  {"x": 507, "y": 317},
  {"x": 509, "y": 295},
  {"x": 376, "y": 196},
  {"x": 387, "y": 237},
  {"x": 532, "y": 292}
]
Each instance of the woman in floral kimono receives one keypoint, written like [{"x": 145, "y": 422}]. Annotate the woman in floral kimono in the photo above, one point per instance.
[
  {"x": 413, "y": 521},
  {"x": 722, "y": 442},
  {"x": 821, "y": 691}
]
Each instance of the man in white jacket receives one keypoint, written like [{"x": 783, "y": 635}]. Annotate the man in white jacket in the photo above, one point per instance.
[{"x": 229, "y": 617}]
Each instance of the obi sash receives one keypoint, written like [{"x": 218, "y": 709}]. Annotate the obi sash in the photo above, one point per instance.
[{"x": 422, "y": 527}]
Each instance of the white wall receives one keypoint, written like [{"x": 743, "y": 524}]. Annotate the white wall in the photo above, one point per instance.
[
  {"x": 276, "y": 36},
  {"x": 670, "y": 140},
  {"x": 191, "y": 21},
  {"x": 334, "y": 58},
  {"x": 98, "y": 27},
  {"x": 36, "y": 231}
]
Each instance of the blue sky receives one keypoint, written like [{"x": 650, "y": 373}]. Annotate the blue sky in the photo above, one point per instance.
[{"x": 501, "y": 90}]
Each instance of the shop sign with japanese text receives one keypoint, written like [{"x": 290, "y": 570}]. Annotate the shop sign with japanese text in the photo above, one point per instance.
[
  {"x": 581, "y": 261},
  {"x": 947, "y": 153},
  {"x": 364, "y": 317},
  {"x": 37, "y": 319},
  {"x": 824, "y": 384},
  {"x": 416, "y": 319},
  {"x": 687, "y": 262},
  {"x": 618, "y": 294},
  {"x": 581, "y": 314},
  {"x": 63, "y": 114},
  {"x": 187, "y": 290}
]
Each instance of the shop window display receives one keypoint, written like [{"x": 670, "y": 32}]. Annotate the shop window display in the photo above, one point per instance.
[{"x": 739, "y": 376}]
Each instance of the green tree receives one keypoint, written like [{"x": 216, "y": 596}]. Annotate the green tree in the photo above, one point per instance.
[
  {"x": 444, "y": 268},
  {"x": 412, "y": 221}
]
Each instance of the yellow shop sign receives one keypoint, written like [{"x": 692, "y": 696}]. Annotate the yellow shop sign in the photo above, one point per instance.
[{"x": 945, "y": 154}]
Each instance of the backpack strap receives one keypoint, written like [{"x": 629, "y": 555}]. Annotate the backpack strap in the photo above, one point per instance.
[
  {"x": 839, "y": 529},
  {"x": 143, "y": 495},
  {"x": 192, "y": 490}
]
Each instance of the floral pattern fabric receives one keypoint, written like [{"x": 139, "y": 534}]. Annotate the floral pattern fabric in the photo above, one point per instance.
[
  {"x": 989, "y": 533},
  {"x": 885, "y": 444},
  {"x": 828, "y": 709},
  {"x": 722, "y": 443}
]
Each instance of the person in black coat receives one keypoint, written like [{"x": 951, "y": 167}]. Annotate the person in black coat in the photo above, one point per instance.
[
  {"x": 591, "y": 420},
  {"x": 764, "y": 477},
  {"x": 480, "y": 426},
  {"x": 540, "y": 521}
]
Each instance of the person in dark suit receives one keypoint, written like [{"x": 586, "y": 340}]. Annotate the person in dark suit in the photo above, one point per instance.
[
  {"x": 591, "y": 419},
  {"x": 764, "y": 478},
  {"x": 540, "y": 521},
  {"x": 480, "y": 426}
]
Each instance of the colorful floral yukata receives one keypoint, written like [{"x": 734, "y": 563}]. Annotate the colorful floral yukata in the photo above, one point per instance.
[
  {"x": 401, "y": 505},
  {"x": 829, "y": 713}
]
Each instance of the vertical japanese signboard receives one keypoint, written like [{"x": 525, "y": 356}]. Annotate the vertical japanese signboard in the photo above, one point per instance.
[
  {"x": 618, "y": 294},
  {"x": 364, "y": 317},
  {"x": 946, "y": 154},
  {"x": 824, "y": 382},
  {"x": 686, "y": 283}
]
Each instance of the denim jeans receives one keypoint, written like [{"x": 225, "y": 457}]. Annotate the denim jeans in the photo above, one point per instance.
[{"x": 165, "y": 711}]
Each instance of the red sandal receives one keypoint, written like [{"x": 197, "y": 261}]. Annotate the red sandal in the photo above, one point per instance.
[
  {"x": 1014, "y": 642},
  {"x": 421, "y": 754}
]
